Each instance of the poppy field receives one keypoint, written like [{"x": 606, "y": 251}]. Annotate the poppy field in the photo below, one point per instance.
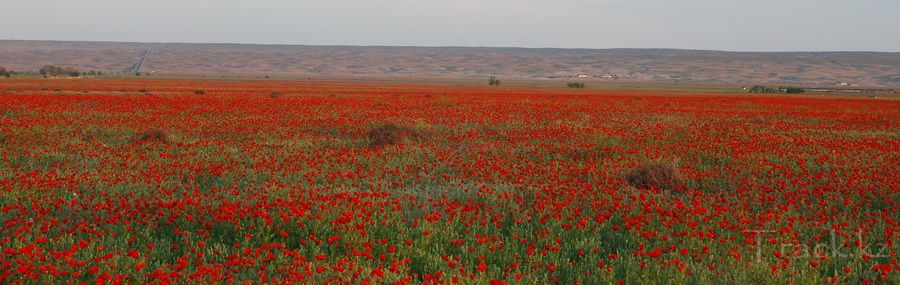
[{"x": 132, "y": 181}]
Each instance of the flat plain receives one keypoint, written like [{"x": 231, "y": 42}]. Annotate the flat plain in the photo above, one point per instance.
[
  {"x": 864, "y": 69},
  {"x": 349, "y": 182}
]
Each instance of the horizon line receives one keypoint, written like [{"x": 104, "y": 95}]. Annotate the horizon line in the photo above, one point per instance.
[{"x": 451, "y": 46}]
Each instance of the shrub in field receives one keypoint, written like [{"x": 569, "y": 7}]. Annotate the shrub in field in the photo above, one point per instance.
[
  {"x": 199, "y": 92},
  {"x": 154, "y": 135},
  {"x": 55, "y": 71},
  {"x": 659, "y": 175},
  {"x": 275, "y": 94},
  {"x": 762, "y": 89},
  {"x": 780, "y": 89},
  {"x": 494, "y": 81},
  {"x": 577, "y": 85},
  {"x": 791, "y": 90},
  {"x": 392, "y": 133}
]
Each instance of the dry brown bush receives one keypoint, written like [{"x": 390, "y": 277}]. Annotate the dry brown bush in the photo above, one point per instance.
[
  {"x": 658, "y": 175},
  {"x": 154, "y": 135},
  {"x": 392, "y": 133}
]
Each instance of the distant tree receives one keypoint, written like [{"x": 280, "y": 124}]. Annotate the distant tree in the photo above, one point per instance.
[
  {"x": 791, "y": 90},
  {"x": 577, "y": 85},
  {"x": 71, "y": 72},
  {"x": 4, "y": 72},
  {"x": 137, "y": 74},
  {"x": 55, "y": 71},
  {"x": 494, "y": 81},
  {"x": 48, "y": 70},
  {"x": 762, "y": 89},
  {"x": 780, "y": 89}
]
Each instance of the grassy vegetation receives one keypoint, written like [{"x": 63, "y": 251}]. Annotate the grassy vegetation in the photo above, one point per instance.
[{"x": 478, "y": 184}]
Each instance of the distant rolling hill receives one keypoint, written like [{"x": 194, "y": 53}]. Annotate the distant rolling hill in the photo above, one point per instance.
[{"x": 868, "y": 69}]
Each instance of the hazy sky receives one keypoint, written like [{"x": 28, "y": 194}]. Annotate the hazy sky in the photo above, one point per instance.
[{"x": 741, "y": 25}]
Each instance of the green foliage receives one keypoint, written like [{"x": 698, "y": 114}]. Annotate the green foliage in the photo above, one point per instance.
[
  {"x": 55, "y": 71},
  {"x": 780, "y": 89},
  {"x": 791, "y": 90},
  {"x": 577, "y": 85},
  {"x": 494, "y": 81},
  {"x": 4, "y": 72},
  {"x": 763, "y": 89}
]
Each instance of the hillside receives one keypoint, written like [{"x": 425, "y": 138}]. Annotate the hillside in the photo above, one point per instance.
[{"x": 650, "y": 65}]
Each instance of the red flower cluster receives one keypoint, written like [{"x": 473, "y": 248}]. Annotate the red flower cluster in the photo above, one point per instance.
[{"x": 505, "y": 185}]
